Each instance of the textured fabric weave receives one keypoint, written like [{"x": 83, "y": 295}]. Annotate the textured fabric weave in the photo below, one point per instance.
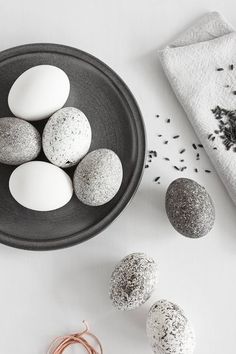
[{"x": 201, "y": 67}]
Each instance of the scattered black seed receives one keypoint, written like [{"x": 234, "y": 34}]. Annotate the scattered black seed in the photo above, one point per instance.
[
  {"x": 146, "y": 166},
  {"x": 219, "y": 69},
  {"x": 166, "y": 158},
  {"x": 194, "y": 146},
  {"x": 166, "y": 142},
  {"x": 182, "y": 151},
  {"x": 182, "y": 160},
  {"x": 159, "y": 135},
  {"x": 150, "y": 156},
  {"x": 156, "y": 179},
  {"x": 215, "y": 148},
  {"x": 231, "y": 67},
  {"x": 196, "y": 170},
  {"x": 198, "y": 156},
  {"x": 176, "y": 137},
  {"x": 157, "y": 115},
  {"x": 176, "y": 168},
  {"x": 168, "y": 120},
  {"x": 234, "y": 92},
  {"x": 209, "y": 136},
  {"x": 200, "y": 145},
  {"x": 207, "y": 171},
  {"x": 213, "y": 138},
  {"x": 149, "y": 161}
]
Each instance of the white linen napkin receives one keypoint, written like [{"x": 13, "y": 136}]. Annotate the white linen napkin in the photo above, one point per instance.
[{"x": 201, "y": 67}]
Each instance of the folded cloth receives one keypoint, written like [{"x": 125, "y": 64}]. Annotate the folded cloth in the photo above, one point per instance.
[{"x": 201, "y": 67}]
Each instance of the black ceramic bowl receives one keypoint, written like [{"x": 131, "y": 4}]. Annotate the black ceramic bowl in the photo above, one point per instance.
[{"x": 116, "y": 124}]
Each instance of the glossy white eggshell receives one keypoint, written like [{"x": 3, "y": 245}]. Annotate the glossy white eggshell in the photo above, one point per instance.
[
  {"x": 66, "y": 137},
  {"x": 38, "y": 92},
  {"x": 40, "y": 186}
]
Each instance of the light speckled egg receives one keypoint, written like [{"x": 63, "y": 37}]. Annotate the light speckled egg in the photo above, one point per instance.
[
  {"x": 66, "y": 137},
  {"x": 38, "y": 92},
  {"x": 19, "y": 141},
  {"x": 133, "y": 281},
  {"x": 169, "y": 330},
  {"x": 189, "y": 208},
  {"x": 40, "y": 186},
  {"x": 98, "y": 177}
]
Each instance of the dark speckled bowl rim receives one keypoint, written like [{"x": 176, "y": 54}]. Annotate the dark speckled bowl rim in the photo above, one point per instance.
[{"x": 124, "y": 91}]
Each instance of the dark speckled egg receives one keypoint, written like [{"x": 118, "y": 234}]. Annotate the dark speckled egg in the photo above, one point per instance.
[
  {"x": 189, "y": 208},
  {"x": 133, "y": 281},
  {"x": 20, "y": 141}
]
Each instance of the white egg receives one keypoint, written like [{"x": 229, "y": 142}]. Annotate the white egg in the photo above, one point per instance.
[
  {"x": 66, "y": 137},
  {"x": 40, "y": 186},
  {"x": 169, "y": 330},
  {"x": 39, "y": 92}
]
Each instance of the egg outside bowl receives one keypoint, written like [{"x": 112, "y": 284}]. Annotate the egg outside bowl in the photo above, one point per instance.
[{"x": 117, "y": 125}]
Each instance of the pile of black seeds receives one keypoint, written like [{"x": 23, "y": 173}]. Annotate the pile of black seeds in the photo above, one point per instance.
[
  {"x": 178, "y": 167},
  {"x": 226, "y": 127}
]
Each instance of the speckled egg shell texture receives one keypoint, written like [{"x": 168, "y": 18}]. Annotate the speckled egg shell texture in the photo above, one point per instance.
[
  {"x": 189, "y": 208},
  {"x": 98, "y": 177},
  {"x": 20, "y": 141},
  {"x": 133, "y": 281},
  {"x": 169, "y": 330},
  {"x": 66, "y": 137}
]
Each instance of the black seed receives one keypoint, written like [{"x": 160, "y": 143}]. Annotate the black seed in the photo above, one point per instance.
[
  {"x": 234, "y": 149},
  {"x": 168, "y": 120},
  {"x": 158, "y": 182},
  {"x": 159, "y": 135},
  {"x": 196, "y": 170},
  {"x": 166, "y": 142},
  {"x": 200, "y": 145},
  {"x": 231, "y": 67},
  {"x": 209, "y": 136},
  {"x": 157, "y": 115},
  {"x": 219, "y": 69},
  {"x": 227, "y": 86},
  {"x": 176, "y": 137},
  {"x": 176, "y": 168},
  {"x": 194, "y": 146},
  {"x": 182, "y": 160},
  {"x": 213, "y": 138},
  {"x": 215, "y": 148},
  {"x": 166, "y": 158},
  {"x": 234, "y": 92},
  {"x": 216, "y": 131},
  {"x": 182, "y": 151},
  {"x": 156, "y": 179},
  {"x": 207, "y": 171},
  {"x": 146, "y": 166}
]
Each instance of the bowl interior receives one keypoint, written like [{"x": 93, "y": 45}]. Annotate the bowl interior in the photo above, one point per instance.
[{"x": 115, "y": 125}]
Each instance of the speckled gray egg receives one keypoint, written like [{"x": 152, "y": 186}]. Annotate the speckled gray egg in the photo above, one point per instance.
[
  {"x": 20, "y": 141},
  {"x": 189, "y": 208},
  {"x": 133, "y": 281},
  {"x": 98, "y": 177},
  {"x": 66, "y": 137},
  {"x": 169, "y": 330}
]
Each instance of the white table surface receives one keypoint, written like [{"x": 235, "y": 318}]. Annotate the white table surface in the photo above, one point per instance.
[{"x": 49, "y": 293}]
